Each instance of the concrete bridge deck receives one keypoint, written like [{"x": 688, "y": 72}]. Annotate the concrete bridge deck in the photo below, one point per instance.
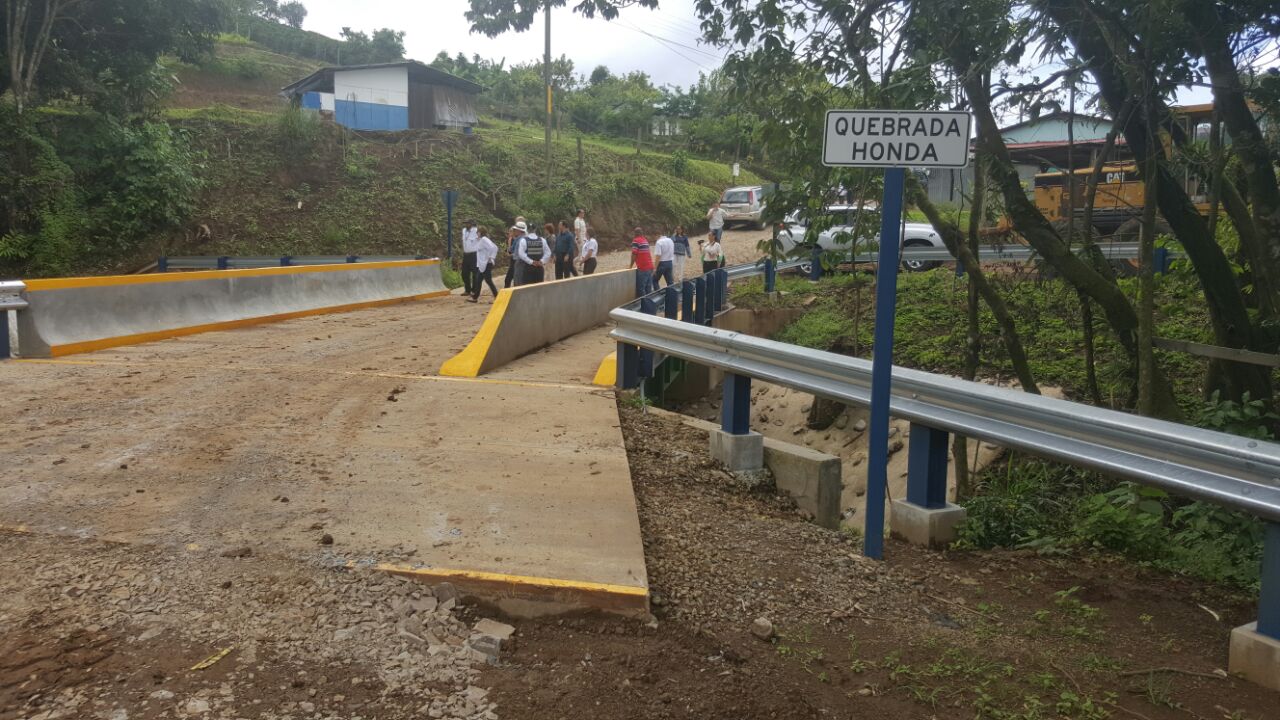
[{"x": 274, "y": 436}]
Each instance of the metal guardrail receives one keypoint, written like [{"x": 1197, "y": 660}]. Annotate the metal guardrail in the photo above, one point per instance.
[
  {"x": 1235, "y": 472},
  {"x": 1002, "y": 253},
  {"x": 166, "y": 264},
  {"x": 1229, "y": 470}
]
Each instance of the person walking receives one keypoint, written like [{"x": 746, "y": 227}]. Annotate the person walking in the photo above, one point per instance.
[
  {"x": 664, "y": 252},
  {"x": 711, "y": 253},
  {"x": 715, "y": 220},
  {"x": 470, "y": 272},
  {"x": 590, "y": 248},
  {"x": 642, "y": 261},
  {"x": 565, "y": 248},
  {"x": 486, "y": 258},
  {"x": 532, "y": 252},
  {"x": 683, "y": 251}
]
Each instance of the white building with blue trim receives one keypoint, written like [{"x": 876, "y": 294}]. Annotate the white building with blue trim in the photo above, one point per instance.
[{"x": 389, "y": 97}]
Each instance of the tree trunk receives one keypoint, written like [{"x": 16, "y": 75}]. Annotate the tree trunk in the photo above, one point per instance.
[
  {"x": 1146, "y": 290},
  {"x": 1223, "y": 299},
  {"x": 955, "y": 243}
]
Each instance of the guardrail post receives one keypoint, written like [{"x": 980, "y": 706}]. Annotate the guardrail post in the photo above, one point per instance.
[
  {"x": 645, "y": 367},
  {"x": 628, "y": 367},
  {"x": 162, "y": 264},
  {"x": 770, "y": 275},
  {"x": 223, "y": 262},
  {"x": 686, "y": 301},
  {"x": 671, "y": 303},
  {"x": 1160, "y": 260},
  {"x": 925, "y": 517},
  {"x": 815, "y": 265},
  {"x": 353, "y": 258},
  {"x": 1255, "y": 648},
  {"x": 734, "y": 444},
  {"x": 713, "y": 301},
  {"x": 286, "y": 261},
  {"x": 5, "y": 350},
  {"x": 959, "y": 267},
  {"x": 700, "y": 311},
  {"x": 722, "y": 289}
]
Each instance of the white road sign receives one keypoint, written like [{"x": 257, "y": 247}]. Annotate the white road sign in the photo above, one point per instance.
[{"x": 895, "y": 138}]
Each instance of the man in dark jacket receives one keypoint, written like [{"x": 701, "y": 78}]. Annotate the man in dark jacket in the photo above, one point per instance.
[{"x": 566, "y": 249}]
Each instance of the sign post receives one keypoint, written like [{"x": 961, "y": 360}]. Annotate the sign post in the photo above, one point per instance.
[
  {"x": 450, "y": 200},
  {"x": 894, "y": 140}
]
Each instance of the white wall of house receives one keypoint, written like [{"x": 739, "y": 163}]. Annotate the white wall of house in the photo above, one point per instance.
[{"x": 376, "y": 86}]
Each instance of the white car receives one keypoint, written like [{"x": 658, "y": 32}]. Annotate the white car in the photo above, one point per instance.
[
  {"x": 744, "y": 205},
  {"x": 843, "y": 220}
]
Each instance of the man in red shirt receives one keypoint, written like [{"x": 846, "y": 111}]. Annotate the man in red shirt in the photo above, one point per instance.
[{"x": 642, "y": 261}]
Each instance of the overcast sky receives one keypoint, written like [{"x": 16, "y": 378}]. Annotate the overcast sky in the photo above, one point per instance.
[{"x": 669, "y": 53}]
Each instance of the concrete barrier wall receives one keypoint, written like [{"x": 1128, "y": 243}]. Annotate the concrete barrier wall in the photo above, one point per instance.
[
  {"x": 75, "y": 315},
  {"x": 530, "y": 317}
]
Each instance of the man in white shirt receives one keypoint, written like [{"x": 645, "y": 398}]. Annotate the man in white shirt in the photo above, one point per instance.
[
  {"x": 533, "y": 252},
  {"x": 664, "y": 252},
  {"x": 580, "y": 227},
  {"x": 587, "y": 256},
  {"x": 486, "y": 258},
  {"x": 470, "y": 270},
  {"x": 715, "y": 221}
]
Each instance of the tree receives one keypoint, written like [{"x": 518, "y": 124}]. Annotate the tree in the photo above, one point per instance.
[
  {"x": 293, "y": 13},
  {"x": 494, "y": 17},
  {"x": 29, "y": 31},
  {"x": 1136, "y": 53},
  {"x": 386, "y": 45}
]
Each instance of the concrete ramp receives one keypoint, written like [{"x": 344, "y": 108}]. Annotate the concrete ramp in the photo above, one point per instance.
[
  {"x": 76, "y": 315},
  {"x": 531, "y": 317}
]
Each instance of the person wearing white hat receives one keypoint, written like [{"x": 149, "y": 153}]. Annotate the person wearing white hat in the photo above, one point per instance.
[
  {"x": 532, "y": 252},
  {"x": 513, "y": 265}
]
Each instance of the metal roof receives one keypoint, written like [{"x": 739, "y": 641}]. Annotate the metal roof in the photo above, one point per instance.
[{"x": 322, "y": 79}]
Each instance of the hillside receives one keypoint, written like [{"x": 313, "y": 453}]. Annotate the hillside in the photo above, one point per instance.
[{"x": 278, "y": 183}]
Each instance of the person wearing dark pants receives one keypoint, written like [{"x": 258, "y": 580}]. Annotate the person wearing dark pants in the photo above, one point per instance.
[
  {"x": 565, "y": 251},
  {"x": 590, "y": 248},
  {"x": 664, "y": 252},
  {"x": 642, "y": 261},
  {"x": 712, "y": 254},
  {"x": 470, "y": 271},
  {"x": 486, "y": 257},
  {"x": 512, "y": 263},
  {"x": 532, "y": 252}
]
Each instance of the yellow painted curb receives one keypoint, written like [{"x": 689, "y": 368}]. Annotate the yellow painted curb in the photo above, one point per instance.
[
  {"x": 139, "y": 338},
  {"x": 607, "y": 375},
  {"x": 468, "y": 363},
  {"x": 497, "y": 586},
  {"x": 110, "y": 280}
]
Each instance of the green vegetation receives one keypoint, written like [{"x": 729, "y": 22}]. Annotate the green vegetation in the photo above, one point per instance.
[{"x": 1029, "y": 503}]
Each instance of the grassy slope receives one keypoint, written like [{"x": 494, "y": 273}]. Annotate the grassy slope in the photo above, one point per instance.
[{"x": 380, "y": 193}]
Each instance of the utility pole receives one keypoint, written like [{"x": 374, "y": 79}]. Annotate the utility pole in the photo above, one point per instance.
[{"x": 546, "y": 75}]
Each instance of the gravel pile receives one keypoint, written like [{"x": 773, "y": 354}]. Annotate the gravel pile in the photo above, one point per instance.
[{"x": 336, "y": 643}]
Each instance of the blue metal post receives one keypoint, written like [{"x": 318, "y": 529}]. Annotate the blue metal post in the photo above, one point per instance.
[
  {"x": 353, "y": 258},
  {"x": 162, "y": 264},
  {"x": 959, "y": 268},
  {"x": 671, "y": 304},
  {"x": 770, "y": 275},
  {"x": 722, "y": 295},
  {"x": 628, "y": 367},
  {"x": 815, "y": 265},
  {"x": 713, "y": 296},
  {"x": 735, "y": 411},
  {"x": 1269, "y": 596},
  {"x": 645, "y": 366},
  {"x": 882, "y": 362},
  {"x": 5, "y": 350},
  {"x": 223, "y": 262},
  {"x": 286, "y": 261},
  {"x": 927, "y": 467},
  {"x": 700, "y": 310},
  {"x": 686, "y": 301},
  {"x": 1160, "y": 260}
]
